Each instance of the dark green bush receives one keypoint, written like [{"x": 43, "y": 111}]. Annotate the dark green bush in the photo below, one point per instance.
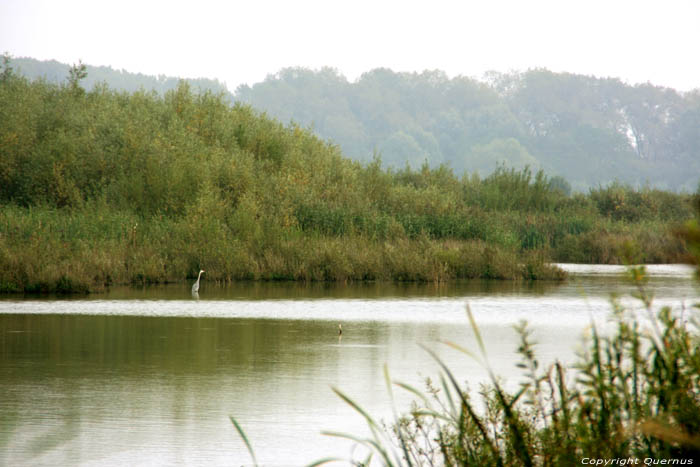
[{"x": 105, "y": 187}]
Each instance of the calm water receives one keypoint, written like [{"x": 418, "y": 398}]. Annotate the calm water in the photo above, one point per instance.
[{"x": 150, "y": 376}]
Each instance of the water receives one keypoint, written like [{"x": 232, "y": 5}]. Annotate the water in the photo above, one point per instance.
[{"x": 150, "y": 376}]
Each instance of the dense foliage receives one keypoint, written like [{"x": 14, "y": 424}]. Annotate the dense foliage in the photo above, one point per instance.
[
  {"x": 100, "y": 187},
  {"x": 632, "y": 398},
  {"x": 588, "y": 130},
  {"x": 121, "y": 80}
]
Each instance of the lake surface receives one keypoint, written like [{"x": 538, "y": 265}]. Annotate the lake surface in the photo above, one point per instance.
[{"x": 150, "y": 376}]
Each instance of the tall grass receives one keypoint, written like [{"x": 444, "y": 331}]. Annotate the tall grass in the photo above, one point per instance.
[
  {"x": 102, "y": 187},
  {"x": 633, "y": 397},
  {"x": 633, "y": 394}
]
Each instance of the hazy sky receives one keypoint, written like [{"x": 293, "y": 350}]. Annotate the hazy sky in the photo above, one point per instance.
[{"x": 241, "y": 42}]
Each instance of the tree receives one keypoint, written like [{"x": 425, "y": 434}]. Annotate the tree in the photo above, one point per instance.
[
  {"x": 561, "y": 184},
  {"x": 76, "y": 73},
  {"x": 6, "y": 67},
  {"x": 508, "y": 152}
]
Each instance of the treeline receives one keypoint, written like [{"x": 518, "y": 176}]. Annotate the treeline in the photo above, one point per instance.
[
  {"x": 586, "y": 130},
  {"x": 100, "y": 187},
  {"x": 120, "y": 80},
  {"x": 589, "y": 131}
]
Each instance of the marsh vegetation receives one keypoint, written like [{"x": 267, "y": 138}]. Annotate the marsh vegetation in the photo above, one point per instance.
[{"x": 106, "y": 187}]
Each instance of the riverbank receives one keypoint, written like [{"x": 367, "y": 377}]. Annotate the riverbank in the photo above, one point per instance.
[
  {"x": 52, "y": 252},
  {"x": 265, "y": 353},
  {"x": 100, "y": 188}
]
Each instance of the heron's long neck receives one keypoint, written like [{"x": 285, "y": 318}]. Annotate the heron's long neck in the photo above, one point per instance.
[{"x": 200, "y": 275}]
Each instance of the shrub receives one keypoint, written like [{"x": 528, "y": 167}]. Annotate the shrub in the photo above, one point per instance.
[
  {"x": 226, "y": 189},
  {"x": 636, "y": 395}
]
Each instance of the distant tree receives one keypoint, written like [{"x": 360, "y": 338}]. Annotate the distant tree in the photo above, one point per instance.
[
  {"x": 401, "y": 149},
  {"x": 76, "y": 73},
  {"x": 560, "y": 184},
  {"x": 6, "y": 67},
  {"x": 506, "y": 152},
  {"x": 588, "y": 130}
]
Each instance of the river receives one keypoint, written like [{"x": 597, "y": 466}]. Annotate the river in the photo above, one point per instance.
[{"x": 150, "y": 376}]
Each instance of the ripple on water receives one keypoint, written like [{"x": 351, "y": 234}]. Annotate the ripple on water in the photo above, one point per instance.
[{"x": 666, "y": 270}]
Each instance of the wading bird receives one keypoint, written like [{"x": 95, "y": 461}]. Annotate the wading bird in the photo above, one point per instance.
[
  {"x": 195, "y": 286},
  {"x": 340, "y": 330}
]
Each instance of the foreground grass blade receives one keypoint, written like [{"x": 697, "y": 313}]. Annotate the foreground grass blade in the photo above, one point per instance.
[
  {"x": 376, "y": 429},
  {"x": 466, "y": 405},
  {"x": 510, "y": 417},
  {"x": 448, "y": 396},
  {"x": 325, "y": 461},
  {"x": 462, "y": 349},
  {"x": 387, "y": 379},
  {"x": 477, "y": 333},
  {"x": 371, "y": 443},
  {"x": 370, "y": 421},
  {"x": 245, "y": 440},
  {"x": 413, "y": 391}
]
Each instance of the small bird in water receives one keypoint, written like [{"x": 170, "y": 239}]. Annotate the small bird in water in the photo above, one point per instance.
[{"x": 195, "y": 286}]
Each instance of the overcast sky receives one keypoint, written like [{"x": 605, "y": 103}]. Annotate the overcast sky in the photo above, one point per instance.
[{"x": 242, "y": 42}]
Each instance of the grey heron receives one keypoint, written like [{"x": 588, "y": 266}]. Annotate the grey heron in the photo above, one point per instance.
[{"x": 195, "y": 286}]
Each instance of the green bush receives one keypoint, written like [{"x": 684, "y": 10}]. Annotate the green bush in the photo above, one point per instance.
[
  {"x": 105, "y": 187},
  {"x": 635, "y": 396}
]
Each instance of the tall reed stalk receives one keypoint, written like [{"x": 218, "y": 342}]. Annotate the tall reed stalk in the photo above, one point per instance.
[{"x": 635, "y": 394}]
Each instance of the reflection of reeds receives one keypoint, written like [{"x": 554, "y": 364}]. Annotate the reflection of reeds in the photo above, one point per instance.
[{"x": 636, "y": 395}]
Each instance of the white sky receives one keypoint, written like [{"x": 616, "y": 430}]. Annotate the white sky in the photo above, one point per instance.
[{"x": 243, "y": 41}]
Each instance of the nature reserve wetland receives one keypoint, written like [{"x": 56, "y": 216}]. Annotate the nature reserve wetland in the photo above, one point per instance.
[
  {"x": 150, "y": 376},
  {"x": 176, "y": 269}
]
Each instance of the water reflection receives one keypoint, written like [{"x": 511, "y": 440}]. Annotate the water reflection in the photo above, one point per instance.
[
  {"x": 256, "y": 290},
  {"x": 598, "y": 280},
  {"x": 121, "y": 389},
  {"x": 149, "y": 376}
]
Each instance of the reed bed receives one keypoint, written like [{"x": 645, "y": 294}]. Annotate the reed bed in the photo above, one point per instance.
[
  {"x": 102, "y": 187},
  {"x": 632, "y": 398}
]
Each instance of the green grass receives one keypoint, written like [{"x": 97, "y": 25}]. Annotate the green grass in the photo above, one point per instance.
[
  {"x": 101, "y": 187},
  {"x": 634, "y": 393}
]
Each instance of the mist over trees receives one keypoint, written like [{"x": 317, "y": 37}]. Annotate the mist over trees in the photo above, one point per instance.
[
  {"x": 120, "y": 80},
  {"x": 99, "y": 186},
  {"x": 584, "y": 132},
  {"x": 590, "y": 131}
]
